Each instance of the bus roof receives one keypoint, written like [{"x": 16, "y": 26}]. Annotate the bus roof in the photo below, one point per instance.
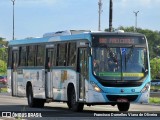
[
  {"x": 80, "y": 36},
  {"x": 50, "y": 39}
]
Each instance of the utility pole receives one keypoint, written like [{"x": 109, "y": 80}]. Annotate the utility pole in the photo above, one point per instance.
[
  {"x": 13, "y": 17},
  {"x": 100, "y": 11},
  {"x": 136, "y": 13},
  {"x": 110, "y": 15}
]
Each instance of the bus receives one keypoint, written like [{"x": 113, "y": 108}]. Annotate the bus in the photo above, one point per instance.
[{"x": 80, "y": 68}]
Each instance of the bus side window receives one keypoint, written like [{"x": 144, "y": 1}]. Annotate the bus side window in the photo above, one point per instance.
[
  {"x": 31, "y": 56},
  {"x": 50, "y": 58},
  {"x": 61, "y": 54},
  {"x": 40, "y": 55},
  {"x": 23, "y": 56},
  {"x": 72, "y": 54},
  {"x": 9, "y": 62}
]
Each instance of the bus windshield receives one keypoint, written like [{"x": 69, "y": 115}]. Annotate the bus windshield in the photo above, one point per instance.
[{"x": 119, "y": 63}]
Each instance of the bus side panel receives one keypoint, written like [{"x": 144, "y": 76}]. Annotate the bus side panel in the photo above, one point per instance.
[
  {"x": 9, "y": 87},
  {"x": 37, "y": 79},
  {"x": 21, "y": 86},
  {"x": 61, "y": 79},
  {"x": 58, "y": 85}
]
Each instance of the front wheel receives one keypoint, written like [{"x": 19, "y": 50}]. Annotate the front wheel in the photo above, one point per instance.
[
  {"x": 123, "y": 106},
  {"x": 32, "y": 102},
  {"x": 75, "y": 106}
]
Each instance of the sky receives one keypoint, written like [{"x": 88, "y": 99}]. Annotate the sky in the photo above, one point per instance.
[{"x": 33, "y": 18}]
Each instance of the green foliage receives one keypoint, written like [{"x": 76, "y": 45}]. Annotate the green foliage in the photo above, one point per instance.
[
  {"x": 3, "y": 42},
  {"x": 3, "y": 56},
  {"x": 155, "y": 68},
  {"x": 3, "y": 67},
  {"x": 155, "y": 100}
]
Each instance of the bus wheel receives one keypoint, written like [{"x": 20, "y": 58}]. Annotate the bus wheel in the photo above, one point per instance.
[
  {"x": 69, "y": 104},
  {"x": 75, "y": 106},
  {"x": 123, "y": 106},
  {"x": 31, "y": 100}
]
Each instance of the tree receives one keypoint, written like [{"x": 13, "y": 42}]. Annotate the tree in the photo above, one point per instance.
[
  {"x": 3, "y": 67},
  {"x": 155, "y": 68},
  {"x": 3, "y": 56}
]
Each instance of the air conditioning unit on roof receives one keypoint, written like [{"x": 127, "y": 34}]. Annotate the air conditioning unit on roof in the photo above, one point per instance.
[{"x": 66, "y": 32}]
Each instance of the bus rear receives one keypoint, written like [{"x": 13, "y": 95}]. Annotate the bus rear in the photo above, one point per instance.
[{"x": 119, "y": 71}]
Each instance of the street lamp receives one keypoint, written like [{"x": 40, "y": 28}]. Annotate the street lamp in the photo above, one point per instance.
[
  {"x": 13, "y": 17},
  {"x": 135, "y": 20}
]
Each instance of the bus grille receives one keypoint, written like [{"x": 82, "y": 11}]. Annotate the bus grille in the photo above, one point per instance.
[{"x": 128, "y": 97}]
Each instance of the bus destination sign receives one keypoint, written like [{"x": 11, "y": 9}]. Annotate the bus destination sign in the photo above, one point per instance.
[{"x": 116, "y": 40}]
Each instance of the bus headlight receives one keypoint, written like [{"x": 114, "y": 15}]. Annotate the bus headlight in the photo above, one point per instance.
[
  {"x": 95, "y": 87},
  {"x": 146, "y": 88}
]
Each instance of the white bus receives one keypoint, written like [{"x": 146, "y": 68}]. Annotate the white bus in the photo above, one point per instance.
[{"x": 80, "y": 67}]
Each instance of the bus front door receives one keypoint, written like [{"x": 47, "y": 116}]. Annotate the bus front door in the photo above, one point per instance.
[
  {"x": 14, "y": 82},
  {"x": 83, "y": 72},
  {"x": 48, "y": 73}
]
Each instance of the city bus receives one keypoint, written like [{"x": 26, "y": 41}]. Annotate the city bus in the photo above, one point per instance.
[{"x": 80, "y": 68}]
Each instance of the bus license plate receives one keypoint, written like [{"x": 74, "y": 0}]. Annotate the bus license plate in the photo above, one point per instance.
[{"x": 122, "y": 100}]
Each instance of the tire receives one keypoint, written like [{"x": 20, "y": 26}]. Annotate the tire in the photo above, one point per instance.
[
  {"x": 32, "y": 102},
  {"x": 75, "y": 106},
  {"x": 123, "y": 106},
  {"x": 69, "y": 105}
]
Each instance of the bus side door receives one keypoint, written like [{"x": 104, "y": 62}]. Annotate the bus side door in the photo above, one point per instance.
[
  {"x": 14, "y": 82},
  {"x": 48, "y": 73},
  {"x": 83, "y": 72}
]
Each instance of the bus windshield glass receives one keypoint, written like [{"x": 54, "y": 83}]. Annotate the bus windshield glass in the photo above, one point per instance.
[{"x": 120, "y": 61}]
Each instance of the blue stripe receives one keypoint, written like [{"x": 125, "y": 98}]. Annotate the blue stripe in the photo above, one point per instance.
[{"x": 47, "y": 39}]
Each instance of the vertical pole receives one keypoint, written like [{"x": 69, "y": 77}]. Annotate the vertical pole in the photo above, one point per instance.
[
  {"x": 110, "y": 15},
  {"x": 13, "y": 17},
  {"x": 100, "y": 11},
  {"x": 135, "y": 28},
  {"x": 13, "y": 20}
]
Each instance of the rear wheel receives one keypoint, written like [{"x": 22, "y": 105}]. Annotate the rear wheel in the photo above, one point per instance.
[
  {"x": 75, "y": 106},
  {"x": 123, "y": 106},
  {"x": 32, "y": 102}
]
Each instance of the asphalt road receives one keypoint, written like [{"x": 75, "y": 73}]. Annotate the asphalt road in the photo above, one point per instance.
[{"x": 60, "y": 110}]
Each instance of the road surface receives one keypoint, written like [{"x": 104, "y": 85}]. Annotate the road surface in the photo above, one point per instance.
[{"x": 58, "y": 110}]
